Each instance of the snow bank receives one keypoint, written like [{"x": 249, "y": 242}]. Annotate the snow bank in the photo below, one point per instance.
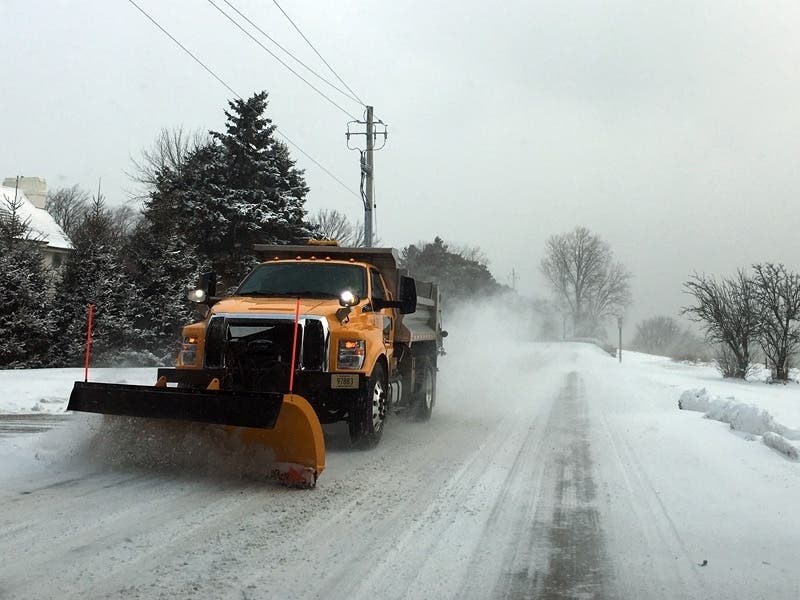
[
  {"x": 28, "y": 391},
  {"x": 743, "y": 417},
  {"x": 781, "y": 444}
]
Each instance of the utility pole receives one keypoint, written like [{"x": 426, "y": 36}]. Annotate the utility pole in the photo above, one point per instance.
[
  {"x": 368, "y": 159},
  {"x": 514, "y": 279},
  {"x": 619, "y": 325},
  {"x": 371, "y": 132}
]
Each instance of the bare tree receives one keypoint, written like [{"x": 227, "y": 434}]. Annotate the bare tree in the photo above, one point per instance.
[
  {"x": 473, "y": 253},
  {"x": 68, "y": 206},
  {"x": 656, "y": 335},
  {"x": 730, "y": 314},
  {"x": 778, "y": 293},
  {"x": 124, "y": 219},
  {"x": 359, "y": 237},
  {"x": 334, "y": 225},
  {"x": 691, "y": 347},
  {"x": 664, "y": 336},
  {"x": 588, "y": 283},
  {"x": 612, "y": 293},
  {"x": 168, "y": 152}
]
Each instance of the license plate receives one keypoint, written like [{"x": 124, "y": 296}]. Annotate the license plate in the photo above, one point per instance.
[{"x": 344, "y": 382}]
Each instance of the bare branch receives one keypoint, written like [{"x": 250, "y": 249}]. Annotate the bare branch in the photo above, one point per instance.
[
  {"x": 588, "y": 284},
  {"x": 168, "y": 153},
  {"x": 334, "y": 225},
  {"x": 68, "y": 207},
  {"x": 729, "y": 313},
  {"x": 778, "y": 293}
]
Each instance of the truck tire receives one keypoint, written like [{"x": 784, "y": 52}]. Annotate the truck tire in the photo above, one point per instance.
[
  {"x": 425, "y": 394},
  {"x": 368, "y": 416}
]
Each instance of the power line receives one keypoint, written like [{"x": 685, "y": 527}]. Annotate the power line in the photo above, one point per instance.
[
  {"x": 350, "y": 95},
  {"x": 239, "y": 97},
  {"x": 312, "y": 159},
  {"x": 185, "y": 49},
  {"x": 317, "y": 52},
  {"x": 276, "y": 57}
]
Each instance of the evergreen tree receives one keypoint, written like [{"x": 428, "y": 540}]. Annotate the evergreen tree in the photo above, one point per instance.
[
  {"x": 163, "y": 267},
  {"x": 94, "y": 274},
  {"x": 458, "y": 274},
  {"x": 26, "y": 328},
  {"x": 239, "y": 189},
  {"x": 262, "y": 192}
]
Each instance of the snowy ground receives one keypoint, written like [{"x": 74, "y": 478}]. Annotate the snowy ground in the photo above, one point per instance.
[{"x": 547, "y": 471}]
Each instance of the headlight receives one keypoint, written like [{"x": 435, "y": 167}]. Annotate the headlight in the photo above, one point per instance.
[
  {"x": 188, "y": 355},
  {"x": 348, "y": 298},
  {"x": 197, "y": 296},
  {"x": 351, "y": 354}
]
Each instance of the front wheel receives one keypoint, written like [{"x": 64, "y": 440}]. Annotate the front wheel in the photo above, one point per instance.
[{"x": 368, "y": 416}]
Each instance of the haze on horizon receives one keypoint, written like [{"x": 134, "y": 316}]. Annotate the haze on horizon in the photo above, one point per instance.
[{"x": 668, "y": 128}]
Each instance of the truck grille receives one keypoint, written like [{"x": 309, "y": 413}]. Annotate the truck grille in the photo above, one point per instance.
[
  {"x": 215, "y": 341},
  {"x": 314, "y": 351},
  {"x": 264, "y": 343}
]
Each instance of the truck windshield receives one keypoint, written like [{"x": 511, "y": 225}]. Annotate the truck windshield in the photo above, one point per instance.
[{"x": 306, "y": 280}]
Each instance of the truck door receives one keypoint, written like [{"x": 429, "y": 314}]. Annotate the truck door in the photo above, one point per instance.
[{"x": 386, "y": 315}]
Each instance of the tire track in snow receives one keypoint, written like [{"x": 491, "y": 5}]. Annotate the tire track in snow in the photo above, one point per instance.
[
  {"x": 406, "y": 528},
  {"x": 560, "y": 549},
  {"x": 437, "y": 549}
]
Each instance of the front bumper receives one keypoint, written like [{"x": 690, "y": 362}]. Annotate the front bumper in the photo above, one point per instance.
[{"x": 331, "y": 405}]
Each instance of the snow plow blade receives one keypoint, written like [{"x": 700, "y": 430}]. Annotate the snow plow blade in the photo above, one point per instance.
[
  {"x": 296, "y": 439},
  {"x": 284, "y": 423}
]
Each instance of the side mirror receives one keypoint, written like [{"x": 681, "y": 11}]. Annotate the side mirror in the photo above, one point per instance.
[
  {"x": 206, "y": 290},
  {"x": 408, "y": 295},
  {"x": 208, "y": 282},
  {"x": 407, "y": 303},
  {"x": 348, "y": 299}
]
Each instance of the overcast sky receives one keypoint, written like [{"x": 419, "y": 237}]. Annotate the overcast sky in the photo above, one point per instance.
[{"x": 669, "y": 128}]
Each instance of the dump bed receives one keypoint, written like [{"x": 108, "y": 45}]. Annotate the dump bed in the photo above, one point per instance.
[{"x": 424, "y": 325}]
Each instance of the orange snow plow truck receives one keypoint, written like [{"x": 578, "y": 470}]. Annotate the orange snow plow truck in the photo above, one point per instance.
[{"x": 313, "y": 335}]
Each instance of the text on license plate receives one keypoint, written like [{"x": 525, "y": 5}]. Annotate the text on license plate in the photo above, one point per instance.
[{"x": 344, "y": 382}]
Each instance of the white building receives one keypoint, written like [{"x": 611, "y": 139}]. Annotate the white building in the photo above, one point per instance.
[{"x": 32, "y": 192}]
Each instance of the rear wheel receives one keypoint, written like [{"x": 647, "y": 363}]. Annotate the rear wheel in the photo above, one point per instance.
[
  {"x": 425, "y": 394},
  {"x": 368, "y": 416}
]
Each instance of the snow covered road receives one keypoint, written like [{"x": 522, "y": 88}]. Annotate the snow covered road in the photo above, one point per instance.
[{"x": 555, "y": 474}]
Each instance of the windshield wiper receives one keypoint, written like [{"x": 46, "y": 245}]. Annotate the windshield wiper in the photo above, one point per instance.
[
  {"x": 311, "y": 294},
  {"x": 292, "y": 294},
  {"x": 265, "y": 294}
]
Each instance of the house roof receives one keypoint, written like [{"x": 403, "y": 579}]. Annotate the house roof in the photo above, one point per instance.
[{"x": 41, "y": 223}]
